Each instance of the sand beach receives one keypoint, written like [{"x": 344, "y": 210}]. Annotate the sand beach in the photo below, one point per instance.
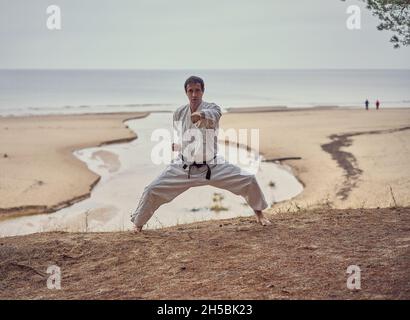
[{"x": 354, "y": 168}]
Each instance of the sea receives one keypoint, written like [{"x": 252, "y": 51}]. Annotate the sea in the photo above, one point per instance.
[{"x": 35, "y": 92}]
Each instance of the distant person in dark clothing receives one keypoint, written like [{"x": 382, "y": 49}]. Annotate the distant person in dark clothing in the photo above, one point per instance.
[
  {"x": 367, "y": 104},
  {"x": 377, "y": 104}
]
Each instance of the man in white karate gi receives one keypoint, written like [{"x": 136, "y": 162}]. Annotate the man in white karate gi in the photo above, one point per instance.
[{"x": 198, "y": 164}]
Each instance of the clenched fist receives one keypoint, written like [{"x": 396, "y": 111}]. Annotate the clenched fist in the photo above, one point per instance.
[{"x": 195, "y": 117}]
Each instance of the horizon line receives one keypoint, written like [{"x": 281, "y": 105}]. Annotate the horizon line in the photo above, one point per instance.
[{"x": 189, "y": 69}]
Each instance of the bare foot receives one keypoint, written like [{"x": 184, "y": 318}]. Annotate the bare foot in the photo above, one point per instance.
[
  {"x": 137, "y": 229},
  {"x": 260, "y": 218}
]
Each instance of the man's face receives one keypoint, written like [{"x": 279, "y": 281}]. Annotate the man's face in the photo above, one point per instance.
[{"x": 194, "y": 93}]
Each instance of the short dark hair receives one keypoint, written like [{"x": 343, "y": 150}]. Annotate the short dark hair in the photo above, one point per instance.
[{"x": 193, "y": 80}]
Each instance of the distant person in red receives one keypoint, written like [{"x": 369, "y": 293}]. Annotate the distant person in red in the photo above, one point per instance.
[
  {"x": 377, "y": 104},
  {"x": 367, "y": 104}
]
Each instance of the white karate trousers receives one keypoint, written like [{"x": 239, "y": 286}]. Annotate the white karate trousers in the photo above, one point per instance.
[{"x": 174, "y": 180}]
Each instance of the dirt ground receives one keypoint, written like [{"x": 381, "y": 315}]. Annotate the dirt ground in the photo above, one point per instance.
[{"x": 302, "y": 255}]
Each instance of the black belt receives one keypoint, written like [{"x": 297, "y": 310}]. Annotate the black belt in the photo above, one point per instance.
[{"x": 198, "y": 165}]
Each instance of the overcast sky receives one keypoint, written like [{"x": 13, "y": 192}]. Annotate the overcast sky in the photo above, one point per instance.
[{"x": 182, "y": 34}]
